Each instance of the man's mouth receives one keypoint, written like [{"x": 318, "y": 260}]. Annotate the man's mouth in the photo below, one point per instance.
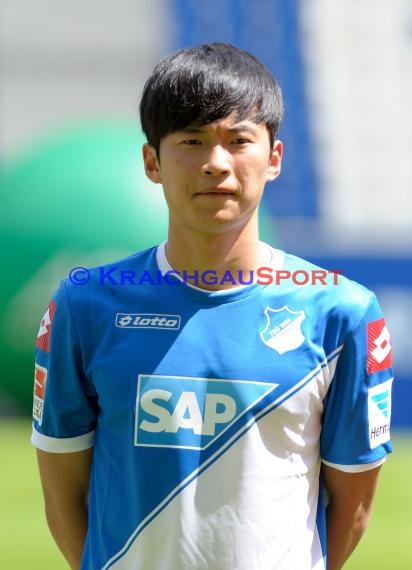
[{"x": 216, "y": 191}]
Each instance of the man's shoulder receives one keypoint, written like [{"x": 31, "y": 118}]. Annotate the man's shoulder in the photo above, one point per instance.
[
  {"x": 88, "y": 284},
  {"x": 139, "y": 260},
  {"x": 329, "y": 286}
]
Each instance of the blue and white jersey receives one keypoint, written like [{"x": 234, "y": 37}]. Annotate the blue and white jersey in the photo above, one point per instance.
[{"x": 210, "y": 411}]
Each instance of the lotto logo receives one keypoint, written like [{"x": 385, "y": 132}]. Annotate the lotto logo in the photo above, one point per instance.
[
  {"x": 379, "y": 347},
  {"x": 43, "y": 336},
  {"x": 191, "y": 413},
  {"x": 147, "y": 321}
]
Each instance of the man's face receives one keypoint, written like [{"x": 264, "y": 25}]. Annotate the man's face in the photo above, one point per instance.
[{"x": 213, "y": 176}]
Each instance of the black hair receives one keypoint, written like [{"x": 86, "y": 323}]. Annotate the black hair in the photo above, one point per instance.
[{"x": 200, "y": 85}]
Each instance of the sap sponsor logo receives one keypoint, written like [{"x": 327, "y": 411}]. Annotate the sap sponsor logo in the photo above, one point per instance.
[
  {"x": 379, "y": 347},
  {"x": 43, "y": 336},
  {"x": 191, "y": 413},
  {"x": 283, "y": 329},
  {"x": 379, "y": 413},
  {"x": 147, "y": 321},
  {"x": 40, "y": 377}
]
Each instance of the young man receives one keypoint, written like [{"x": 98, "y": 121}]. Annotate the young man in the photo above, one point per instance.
[{"x": 184, "y": 420}]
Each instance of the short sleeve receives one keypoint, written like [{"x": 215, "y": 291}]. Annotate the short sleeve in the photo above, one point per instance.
[
  {"x": 64, "y": 401},
  {"x": 357, "y": 409}
]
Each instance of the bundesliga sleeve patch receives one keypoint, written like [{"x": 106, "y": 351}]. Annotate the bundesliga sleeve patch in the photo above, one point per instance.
[
  {"x": 40, "y": 377},
  {"x": 379, "y": 347},
  {"x": 43, "y": 336},
  {"x": 379, "y": 413}
]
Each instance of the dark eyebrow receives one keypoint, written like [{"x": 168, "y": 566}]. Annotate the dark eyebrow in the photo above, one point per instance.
[
  {"x": 243, "y": 128},
  {"x": 239, "y": 128},
  {"x": 194, "y": 130}
]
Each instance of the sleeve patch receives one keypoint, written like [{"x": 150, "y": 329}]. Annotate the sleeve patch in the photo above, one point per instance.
[
  {"x": 43, "y": 336},
  {"x": 379, "y": 347},
  {"x": 40, "y": 377},
  {"x": 379, "y": 413}
]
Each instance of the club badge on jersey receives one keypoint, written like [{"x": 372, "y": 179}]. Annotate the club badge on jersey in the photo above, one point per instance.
[{"x": 283, "y": 329}]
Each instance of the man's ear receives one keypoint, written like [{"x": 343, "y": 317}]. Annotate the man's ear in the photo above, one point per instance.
[
  {"x": 151, "y": 163},
  {"x": 275, "y": 161}
]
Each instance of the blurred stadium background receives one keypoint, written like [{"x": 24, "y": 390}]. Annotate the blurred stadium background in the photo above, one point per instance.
[{"x": 73, "y": 191}]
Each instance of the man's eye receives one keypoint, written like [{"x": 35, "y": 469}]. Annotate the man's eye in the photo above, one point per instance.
[
  {"x": 241, "y": 141},
  {"x": 191, "y": 142}
]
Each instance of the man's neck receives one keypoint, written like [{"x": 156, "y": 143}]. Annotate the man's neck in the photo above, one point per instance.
[{"x": 232, "y": 251}]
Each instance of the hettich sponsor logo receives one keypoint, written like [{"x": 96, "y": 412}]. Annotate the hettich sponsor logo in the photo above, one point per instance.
[{"x": 379, "y": 413}]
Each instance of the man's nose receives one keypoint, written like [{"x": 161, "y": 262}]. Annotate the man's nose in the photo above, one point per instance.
[{"x": 217, "y": 161}]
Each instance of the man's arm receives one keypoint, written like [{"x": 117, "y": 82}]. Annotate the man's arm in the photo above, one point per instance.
[
  {"x": 350, "y": 498},
  {"x": 65, "y": 483}
]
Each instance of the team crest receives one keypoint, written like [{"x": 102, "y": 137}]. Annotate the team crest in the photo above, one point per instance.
[{"x": 283, "y": 329}]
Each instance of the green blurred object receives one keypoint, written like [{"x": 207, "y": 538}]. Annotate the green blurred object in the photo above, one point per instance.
[{"x": 79, "y": 198}]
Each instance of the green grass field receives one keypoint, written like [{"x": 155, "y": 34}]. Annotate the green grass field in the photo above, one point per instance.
[{"x": 26, "y": 543}]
